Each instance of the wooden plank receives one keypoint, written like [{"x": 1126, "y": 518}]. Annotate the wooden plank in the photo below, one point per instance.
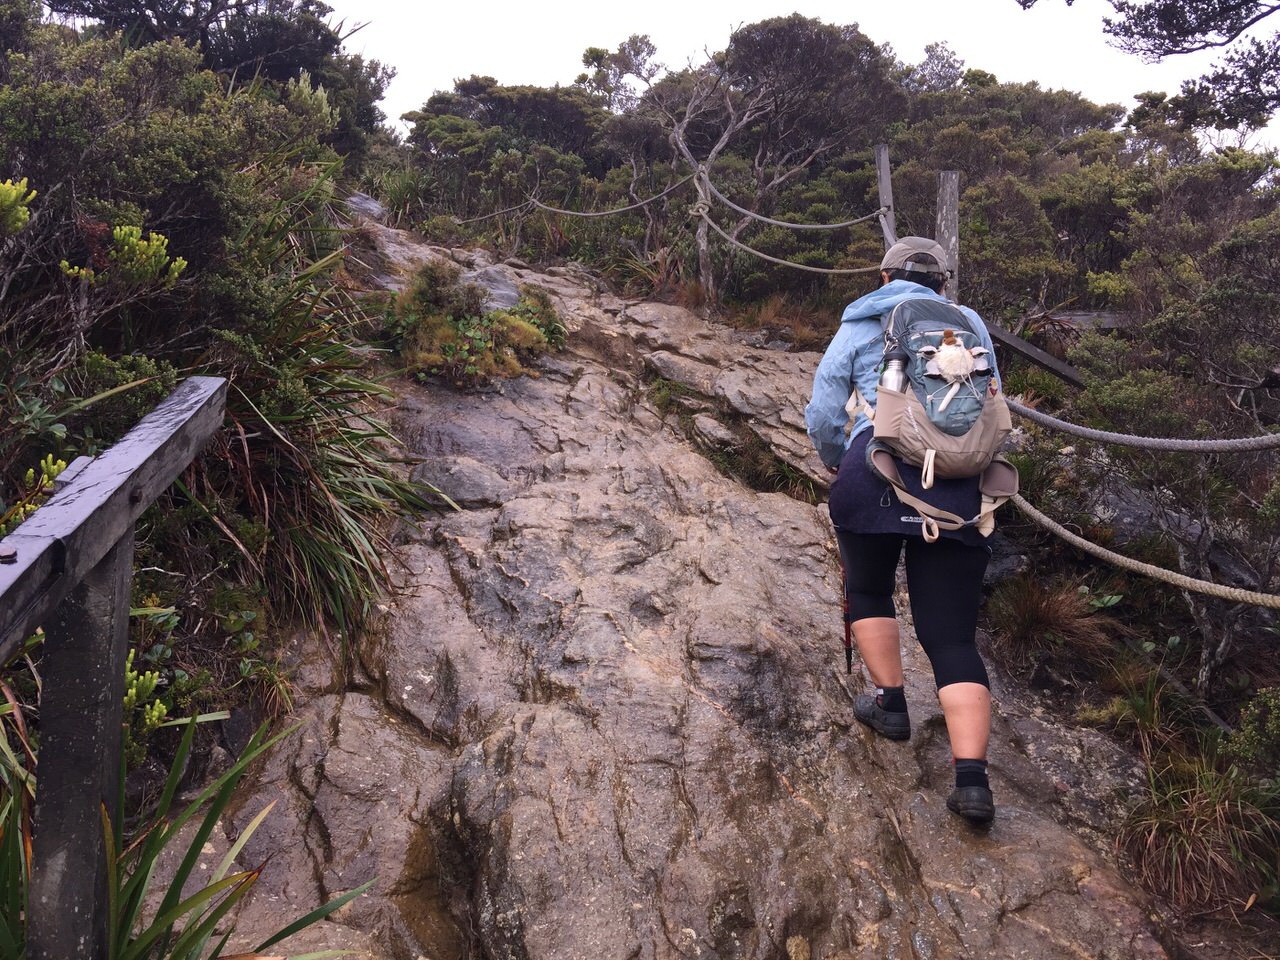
[
  {"x": 81, "y": 717},
  {"x": 888, "y": 224},
  {"x": 67, "y": 537},
  {"x": 949, "y": 227},
  {"x": 1037, "y": 356},
  {"x": 1090, "y": 319}
]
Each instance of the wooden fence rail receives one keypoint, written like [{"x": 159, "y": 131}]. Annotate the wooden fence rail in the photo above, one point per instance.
[{"x": 67, "y": 569}]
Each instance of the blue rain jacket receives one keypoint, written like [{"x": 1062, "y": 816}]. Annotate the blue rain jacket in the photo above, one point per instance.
[{"x": 853, "y": 358}]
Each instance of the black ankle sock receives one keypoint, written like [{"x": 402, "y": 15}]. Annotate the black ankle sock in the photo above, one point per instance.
[
  {"x": 971, "y": 773},
  {"x": 891, "y": 699}
]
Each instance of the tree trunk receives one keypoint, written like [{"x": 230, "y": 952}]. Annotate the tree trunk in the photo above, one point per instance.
[{"x": 706, "y": 271}]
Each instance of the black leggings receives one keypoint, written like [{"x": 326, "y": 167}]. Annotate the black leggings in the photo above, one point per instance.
[{"x": 944, "y": 581}]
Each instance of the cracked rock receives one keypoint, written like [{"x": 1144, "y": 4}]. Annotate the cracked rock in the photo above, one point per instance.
[{"x": 606, "y": 715}]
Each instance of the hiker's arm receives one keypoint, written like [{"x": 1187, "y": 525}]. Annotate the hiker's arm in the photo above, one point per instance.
[{"x": 825, "y": 416}]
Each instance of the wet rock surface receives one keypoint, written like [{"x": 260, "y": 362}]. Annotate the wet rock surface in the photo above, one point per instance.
[{"x": 607, "y": 716}]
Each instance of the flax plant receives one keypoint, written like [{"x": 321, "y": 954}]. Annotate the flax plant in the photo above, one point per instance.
[
  {"x": 193, "y": 927},
  {"x": 183, "y": 928},
  {"x": 304, "y": 455},
  {"x": 17, "y": 793}
]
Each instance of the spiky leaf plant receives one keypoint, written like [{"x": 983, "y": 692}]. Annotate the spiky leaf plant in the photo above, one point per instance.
[{"x": 304, "y": 458}]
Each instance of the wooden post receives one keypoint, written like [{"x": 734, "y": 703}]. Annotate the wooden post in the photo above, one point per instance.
[
  {"x": 949, "y": 227},
  {"x": 67, "y": 568},
  {"x": 888, "y": 224},
  {"x": 81, "y": 718}
]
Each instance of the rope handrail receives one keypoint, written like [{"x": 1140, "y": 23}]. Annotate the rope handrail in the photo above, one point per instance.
[
  {"x": 1233, "y": 444},
  {"x": 783, "y": 223},
  {"x": 496, "y": 213},
  {"x": 1180, "y": 580},
  {"x": 701, "y": 211},
  {"x": 608, "y": 213}
]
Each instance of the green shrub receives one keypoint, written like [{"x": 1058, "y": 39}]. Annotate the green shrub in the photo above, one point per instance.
[
  {"x": 437, "y": 289},
  {"x": 131, "y": 387},
  {"x": 1255, "y": 743},
  {"x": 1029, "y": 381},
  {"x": 446, "y": 231},
  {"x": 535, "y": 307},
  {"x": 36, "y": 489},
  {"x": 441, "y": 328},
  {"x": 15, "y": 206}
]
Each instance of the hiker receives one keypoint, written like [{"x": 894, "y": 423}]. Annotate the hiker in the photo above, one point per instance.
[{"x": 944, "y": 577}]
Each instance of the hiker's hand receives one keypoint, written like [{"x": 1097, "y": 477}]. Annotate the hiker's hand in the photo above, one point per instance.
[{"x": 832, "y": 470}]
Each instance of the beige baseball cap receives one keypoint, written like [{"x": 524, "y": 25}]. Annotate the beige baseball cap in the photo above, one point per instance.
[{"x": 917, "y": 254}]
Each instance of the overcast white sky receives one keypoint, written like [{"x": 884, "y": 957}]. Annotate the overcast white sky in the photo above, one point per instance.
[{"x": 432, "y": 44}]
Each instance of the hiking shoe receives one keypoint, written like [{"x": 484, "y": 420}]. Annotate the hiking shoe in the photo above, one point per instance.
[
  {"x": 895, "y": 726},
  {"x": 972, "y": 803}
]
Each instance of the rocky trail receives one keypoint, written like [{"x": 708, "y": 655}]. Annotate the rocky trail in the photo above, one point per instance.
[{"x": 606, "y": 716}]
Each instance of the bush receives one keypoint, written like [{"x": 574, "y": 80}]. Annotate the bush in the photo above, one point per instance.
[
  {"x": 1255, "y": 744},
  {"x": 535, "y": 308},
  {"x": 441, "y": 328},
  {"x": 1033, "y": 383},
  {"x": 446, "y": 231}
]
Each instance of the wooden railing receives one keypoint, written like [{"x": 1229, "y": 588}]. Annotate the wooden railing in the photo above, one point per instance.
[
  {"x": 67, "y": 569},
  {"x": 1029, "y": 351}
]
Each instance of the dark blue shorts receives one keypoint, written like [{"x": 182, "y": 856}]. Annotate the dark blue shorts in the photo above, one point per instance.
[{"x": 863, "y": 503}]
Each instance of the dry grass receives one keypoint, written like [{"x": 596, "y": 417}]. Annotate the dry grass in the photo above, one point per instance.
[
  {"x": 1030, "y": 617},
  {"x": 770, "y": 312},
  {"x": 1202, "y": 838},
  {"x": 689, "y": 294},
  {"x": 805, "y": 325}
]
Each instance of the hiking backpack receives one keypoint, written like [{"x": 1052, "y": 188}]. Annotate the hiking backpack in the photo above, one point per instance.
[{"x": 949, "y": 419}]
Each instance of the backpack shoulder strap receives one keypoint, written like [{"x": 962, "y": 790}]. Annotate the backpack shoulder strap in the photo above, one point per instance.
[{"x": 857, "y": 403}]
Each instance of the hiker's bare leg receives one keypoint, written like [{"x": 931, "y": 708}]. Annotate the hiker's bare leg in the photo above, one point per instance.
[
  {"x": 967, "y": 709},
  {"x": 879, "y": 645}
]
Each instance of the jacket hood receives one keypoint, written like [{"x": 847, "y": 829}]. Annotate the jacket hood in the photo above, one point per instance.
[{"x": 886, "y": 298}]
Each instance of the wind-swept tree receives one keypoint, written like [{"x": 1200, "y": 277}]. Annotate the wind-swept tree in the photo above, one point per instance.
[
  {"x": 1241, "y": 91},
  {"x": 609, "y": 71},
  {"x": 785, "y": 94}
]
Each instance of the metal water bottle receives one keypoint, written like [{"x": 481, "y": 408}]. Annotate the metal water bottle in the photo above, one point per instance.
[{"x": 894, "y": 374}]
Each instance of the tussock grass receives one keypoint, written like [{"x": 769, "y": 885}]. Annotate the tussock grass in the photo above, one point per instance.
[
  {"x": 1030, "y": 618},
  {"x": 1204, "y": 837}
]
